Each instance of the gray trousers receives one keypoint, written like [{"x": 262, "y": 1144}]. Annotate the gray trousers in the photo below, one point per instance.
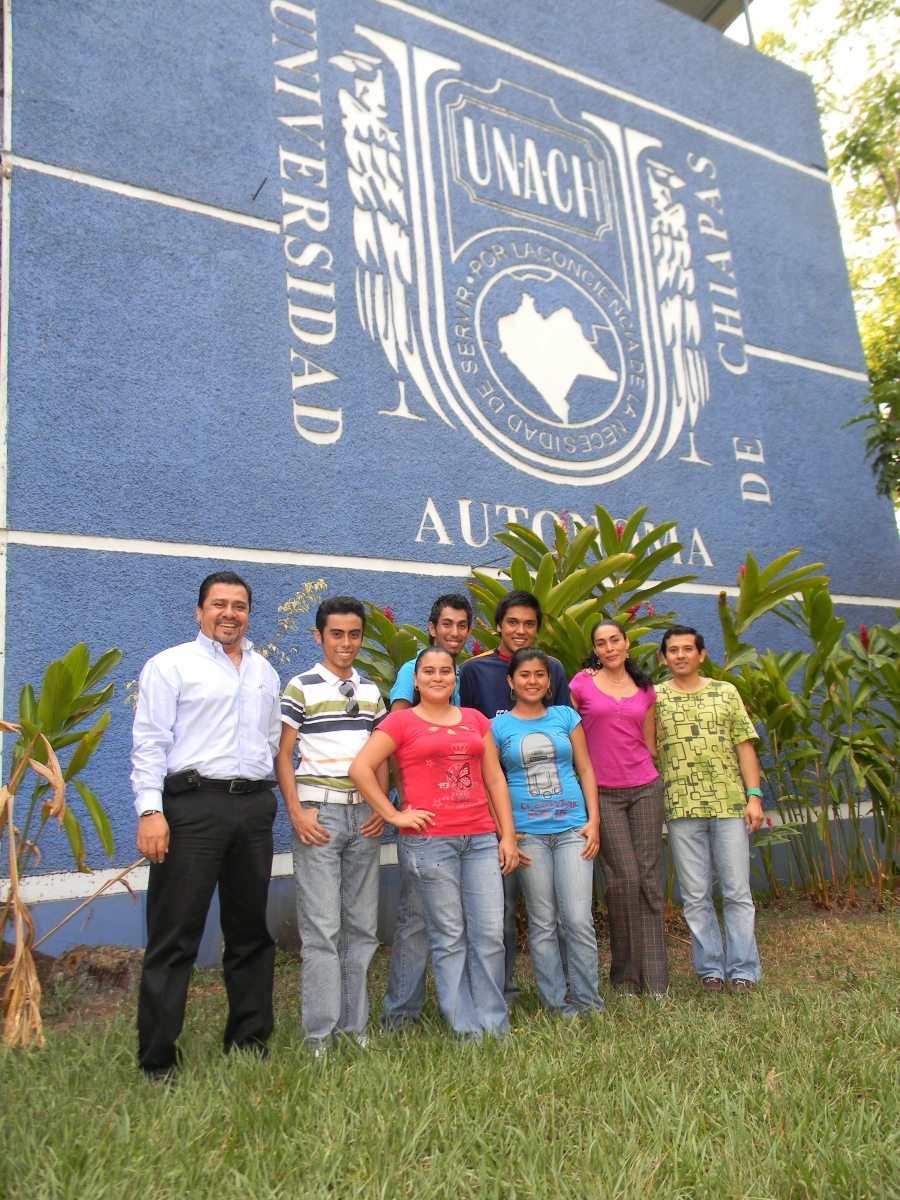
[{"x": 337, "y": 915}]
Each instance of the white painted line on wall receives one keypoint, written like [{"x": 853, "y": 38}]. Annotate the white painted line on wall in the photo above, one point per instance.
[
  {"x": 619, "y": 93},
  {"x": 811, "y": 364},
  {"x": 291, "y": 558},
  {"x": 75, "y": 885},
  {"x": 141, "y": 193}
]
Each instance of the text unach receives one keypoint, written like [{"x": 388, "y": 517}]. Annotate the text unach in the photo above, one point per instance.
[{"x": 523, "y": 166}]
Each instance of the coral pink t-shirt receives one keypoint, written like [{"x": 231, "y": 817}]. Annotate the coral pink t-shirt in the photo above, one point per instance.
[
  {"x": 440, "y": 770},
  {"x": 614, "y": 730}
]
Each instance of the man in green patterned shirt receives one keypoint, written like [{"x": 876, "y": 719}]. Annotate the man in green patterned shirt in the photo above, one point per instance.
[{"x": 705, "y": 741}]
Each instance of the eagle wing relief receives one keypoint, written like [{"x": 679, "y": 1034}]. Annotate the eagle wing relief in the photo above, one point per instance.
[
  {"x": 385, "y": 278},
  {"x": 678, "y": 309}
]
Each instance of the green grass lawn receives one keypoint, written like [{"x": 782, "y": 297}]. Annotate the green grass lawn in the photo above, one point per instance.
[{"x": 793, "y": 1091}]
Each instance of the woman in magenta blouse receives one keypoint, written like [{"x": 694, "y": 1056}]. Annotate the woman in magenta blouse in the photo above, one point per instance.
[{"x": 617, "y": 704}]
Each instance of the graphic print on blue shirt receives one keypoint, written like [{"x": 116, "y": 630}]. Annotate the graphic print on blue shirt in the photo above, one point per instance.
[
  {"x": 484, "y": 684},
  {"x": 538, "y": 761}
]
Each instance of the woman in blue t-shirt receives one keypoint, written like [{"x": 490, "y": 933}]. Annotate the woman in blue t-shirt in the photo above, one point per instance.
[{"x": 557, "y": 811}]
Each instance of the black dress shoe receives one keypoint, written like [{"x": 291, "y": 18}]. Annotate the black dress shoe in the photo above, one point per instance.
[
  {"x": 161, "y": 1075},
  {"x": 259, "y": 1049}
]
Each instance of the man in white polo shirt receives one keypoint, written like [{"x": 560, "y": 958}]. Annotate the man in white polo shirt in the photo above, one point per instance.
[{"x": 328, "y": 713}]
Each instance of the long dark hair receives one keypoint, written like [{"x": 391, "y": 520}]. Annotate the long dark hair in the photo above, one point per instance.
[
  {"x": 641, "y": 678},
  {"x": 531, "y": 654},
  {"x": 417, "y": 697}
]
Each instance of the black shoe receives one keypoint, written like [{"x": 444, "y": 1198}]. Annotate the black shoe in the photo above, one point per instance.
[
  {"x": 259, "y": 1049},
  {"x": 740, "y": 986},
  {"x": 161, "y": 1076}
]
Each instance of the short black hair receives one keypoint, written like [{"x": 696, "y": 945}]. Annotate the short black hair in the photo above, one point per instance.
[
  {"x": 339, "y": 606},
  {"x": 451, "y": 600},
  {"x": 517, "y": 599},
  {"x": 230, "y": 577},
  {"x": 682, "y": 631}
]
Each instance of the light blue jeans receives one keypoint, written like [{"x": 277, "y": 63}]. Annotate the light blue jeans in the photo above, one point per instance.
[
  {"x": 337, "y": 914},
  {"x": 460, "y": 886},
  {"x": 558, "y": 889},
  {"x": 405, "y": 996},
  {"x": 700, "y": 847}
]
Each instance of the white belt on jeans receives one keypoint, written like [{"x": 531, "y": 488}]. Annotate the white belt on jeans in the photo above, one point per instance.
[{"x": 311, "y": 794}]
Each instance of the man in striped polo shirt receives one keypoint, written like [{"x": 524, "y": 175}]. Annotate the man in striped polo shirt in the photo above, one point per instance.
[{"x": 328, "y": 713}]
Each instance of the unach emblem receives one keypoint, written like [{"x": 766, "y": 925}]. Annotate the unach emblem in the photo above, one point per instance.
[{"x": 529, "y": 273}]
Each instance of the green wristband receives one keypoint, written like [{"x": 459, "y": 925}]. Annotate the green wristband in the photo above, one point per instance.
[{"x": 754, "y": 792}]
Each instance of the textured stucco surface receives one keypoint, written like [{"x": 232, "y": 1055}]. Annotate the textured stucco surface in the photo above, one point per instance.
[{"x": 149, "y": 348}]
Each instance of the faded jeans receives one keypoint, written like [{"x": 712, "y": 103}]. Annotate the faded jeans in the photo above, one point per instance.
[
  {"x": 460, "y": 886},
  {"x": 701, "y": 846},
  {"x": 337, "y": 914},
  {"x": 405, "y": 996},
  {"x": 558, "y": 889}
]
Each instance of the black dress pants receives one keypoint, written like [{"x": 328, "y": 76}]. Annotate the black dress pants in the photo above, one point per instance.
[{"x": 215, "y": 838}]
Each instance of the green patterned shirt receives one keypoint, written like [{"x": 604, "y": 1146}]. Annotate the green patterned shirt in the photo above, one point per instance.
[{"x": 696, "y": 733}]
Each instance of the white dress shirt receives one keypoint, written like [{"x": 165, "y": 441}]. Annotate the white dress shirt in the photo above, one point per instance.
[{"x": 195, "y": 709}]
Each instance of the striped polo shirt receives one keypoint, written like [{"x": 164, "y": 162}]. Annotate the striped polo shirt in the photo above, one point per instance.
[{"x": 328, "y": 737}]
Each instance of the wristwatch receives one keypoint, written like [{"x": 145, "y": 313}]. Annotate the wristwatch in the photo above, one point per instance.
[
  {"x": 750, "y": 792},
  {"x": 149, "y": 812}
]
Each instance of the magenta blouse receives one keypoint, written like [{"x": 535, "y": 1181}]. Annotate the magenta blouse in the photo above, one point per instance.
[{"x": 614, "y": 730}]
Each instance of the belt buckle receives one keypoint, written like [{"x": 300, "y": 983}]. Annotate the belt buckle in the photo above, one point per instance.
[{"x": 239, "y": 787}]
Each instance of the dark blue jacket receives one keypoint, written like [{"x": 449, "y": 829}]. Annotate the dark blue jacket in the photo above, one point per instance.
[{"x": 483, "y": 684}]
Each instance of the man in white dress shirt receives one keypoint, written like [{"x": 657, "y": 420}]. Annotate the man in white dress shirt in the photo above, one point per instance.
[{"x": 207, "y": 726}]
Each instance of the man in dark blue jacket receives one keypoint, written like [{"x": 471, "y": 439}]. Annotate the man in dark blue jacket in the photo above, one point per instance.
[{"x": 484, "y": 684}]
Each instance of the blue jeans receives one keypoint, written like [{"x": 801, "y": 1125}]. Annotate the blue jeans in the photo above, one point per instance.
[
  {"x": 337, "y": 914},
  {"x": 405, "y": 996},
  {"x": 558, "y": 889},
  {"x": 461, "y": 890},
  {"x": 701, "y": 846}
]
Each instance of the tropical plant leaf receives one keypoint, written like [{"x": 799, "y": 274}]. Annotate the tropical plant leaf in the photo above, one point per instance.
[
  {"x": 102, "y": 667},
  {"x": 98, "y": 816},
  {"x": 57, "y": 698},
  {"x": 76, "y": 841}
]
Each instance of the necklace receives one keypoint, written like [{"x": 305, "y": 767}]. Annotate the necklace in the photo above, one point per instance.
[{"x": 621, "y": 680}]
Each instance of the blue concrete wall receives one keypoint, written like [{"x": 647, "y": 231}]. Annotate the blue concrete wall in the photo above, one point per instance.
[{"x": 150, "y": 390}]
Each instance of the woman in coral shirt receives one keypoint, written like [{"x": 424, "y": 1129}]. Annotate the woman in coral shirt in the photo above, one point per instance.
[
  {"x": 617, "y": 704},
  {"x": 452, "y": 783}
]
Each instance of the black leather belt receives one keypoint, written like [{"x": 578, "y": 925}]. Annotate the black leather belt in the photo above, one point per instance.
[
  {"x": 179, "y": 782},
  {"x": 237, "y": 787}
]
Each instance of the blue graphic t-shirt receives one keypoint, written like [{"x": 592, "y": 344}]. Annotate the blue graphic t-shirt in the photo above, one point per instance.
[{"x": 537, "y": 758}]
